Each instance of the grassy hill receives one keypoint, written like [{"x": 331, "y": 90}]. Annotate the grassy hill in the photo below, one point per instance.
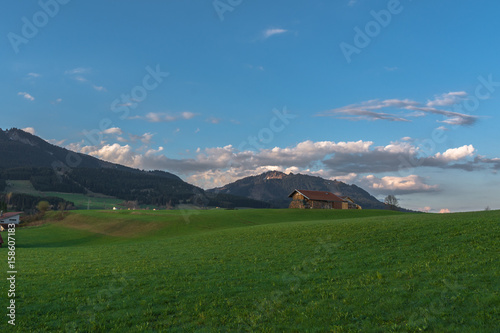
[
  {"x": 259, "y": 270},
  {"x": 81, "y": 201}
]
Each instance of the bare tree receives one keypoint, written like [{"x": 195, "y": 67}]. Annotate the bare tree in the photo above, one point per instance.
[{"x": 392, "y": 202}]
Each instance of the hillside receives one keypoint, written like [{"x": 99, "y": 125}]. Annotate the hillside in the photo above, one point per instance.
[
  {"x": 275, "y": 186},
  {"x": 260, "y": 271},
  {"x": 22, "y": 149},
  {"x": 50, "y": 168}
]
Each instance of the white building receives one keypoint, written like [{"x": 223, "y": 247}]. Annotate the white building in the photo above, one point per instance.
[{"x": 7, "y": 218}]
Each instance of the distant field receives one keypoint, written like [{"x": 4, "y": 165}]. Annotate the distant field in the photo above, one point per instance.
[
  {"x": 259, "y": 271},
  {"x": 81, "y": 201}
]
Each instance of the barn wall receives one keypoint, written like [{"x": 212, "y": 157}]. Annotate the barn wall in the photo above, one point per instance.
[
  {"x": 296, "y": 204},
  {"x": 301, "y": 202},
  {"x": 340, "y": 205},
  {"x": 321, "y": 205},
  {"x": 298, "y": 196}
]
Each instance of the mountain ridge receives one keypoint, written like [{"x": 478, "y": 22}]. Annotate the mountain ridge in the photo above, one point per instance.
[
  {"x": 50, "y": 168},
  {"x": 275, "y": 186}
]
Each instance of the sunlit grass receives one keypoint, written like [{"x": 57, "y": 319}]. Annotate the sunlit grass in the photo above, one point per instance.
[{"x": 260, "y": 270}]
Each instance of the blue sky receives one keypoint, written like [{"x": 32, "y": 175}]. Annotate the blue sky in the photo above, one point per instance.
[{"x": 398, "y": 97}]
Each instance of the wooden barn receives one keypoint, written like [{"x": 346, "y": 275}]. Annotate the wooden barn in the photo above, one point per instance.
[
  {"x": 303, "y": 199},
  {"x": 350, "y": 203}
]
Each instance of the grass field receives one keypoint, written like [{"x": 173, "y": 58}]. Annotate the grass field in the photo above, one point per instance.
[
  {"x": 258, "y": 270},
  {"x": 81, "y": 201}
]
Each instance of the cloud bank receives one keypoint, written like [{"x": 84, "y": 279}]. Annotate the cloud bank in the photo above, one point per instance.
[{"x": 392, "y": 168}]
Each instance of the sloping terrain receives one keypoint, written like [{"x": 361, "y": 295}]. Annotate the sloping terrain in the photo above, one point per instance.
[
  {"x": 260, "y": 270},
  {"x": 50, "y": 168}
]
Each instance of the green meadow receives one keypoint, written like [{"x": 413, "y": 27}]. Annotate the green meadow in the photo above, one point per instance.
[
  {"x": 81, "y": 201},
  {"x": 257, "y": 271}
]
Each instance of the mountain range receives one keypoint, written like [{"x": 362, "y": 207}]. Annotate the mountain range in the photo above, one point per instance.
[{"x": 51, "y": 168}]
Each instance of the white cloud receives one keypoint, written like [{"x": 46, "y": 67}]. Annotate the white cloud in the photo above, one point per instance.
[
  {"x": 454, "y": 118},
  {"x": 157, "y": 117},
  {"x": 448, "y": 99},
  {"x": 456, "y": 154},
  {"x": 80, "y": 79},
  {"x": 78, "y": 70},
  {"x": 426, "y": 209},
  {"x": 371, "y": 110},
  {"x": 57, "y": 101},
  {"x": 26, "y": 95},
  {"x": 188, "y": 115},
  {"x": 29, "y": 130},
  {"x": 114, "y": 153},
  {"x": 218, "y": 178},
  {"x": 113, "y": 130},
  {"x": 459, "y": 121},
  {"x": 353, "y": 162},
  {"x": 146, "y": 138},
  {"x": 271, "y": 32},
  {"x": 56, "y": 142},
  {"x": 400, "y": 185},
  {"x": 328, "y": 174},
  {"x": 213, "y": 120},
  {"x": 33, "y": 75},
  {"x": 444, "y": 211},
  {"x": 99, "y": 88}
]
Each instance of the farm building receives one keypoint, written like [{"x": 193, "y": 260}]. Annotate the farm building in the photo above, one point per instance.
[
  {"x": 304, "y": 199},
  {"x": 350, "y": 203},
  {"x": 8, "y": 218}
]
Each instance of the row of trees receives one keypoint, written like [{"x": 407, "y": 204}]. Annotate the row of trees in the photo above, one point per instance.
[{"x": 29, "y": 203}]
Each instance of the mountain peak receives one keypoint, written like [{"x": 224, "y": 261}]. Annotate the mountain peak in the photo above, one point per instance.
[
  {"x": 16, "y": 134},
  {"x": 274, "y": 175},
  {"x": 275, "y": 186}
]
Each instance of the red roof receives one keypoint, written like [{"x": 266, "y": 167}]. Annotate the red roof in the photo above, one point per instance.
[
  {"x": 318, "y": 195},
  {"x": 8, "y": 215}
]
